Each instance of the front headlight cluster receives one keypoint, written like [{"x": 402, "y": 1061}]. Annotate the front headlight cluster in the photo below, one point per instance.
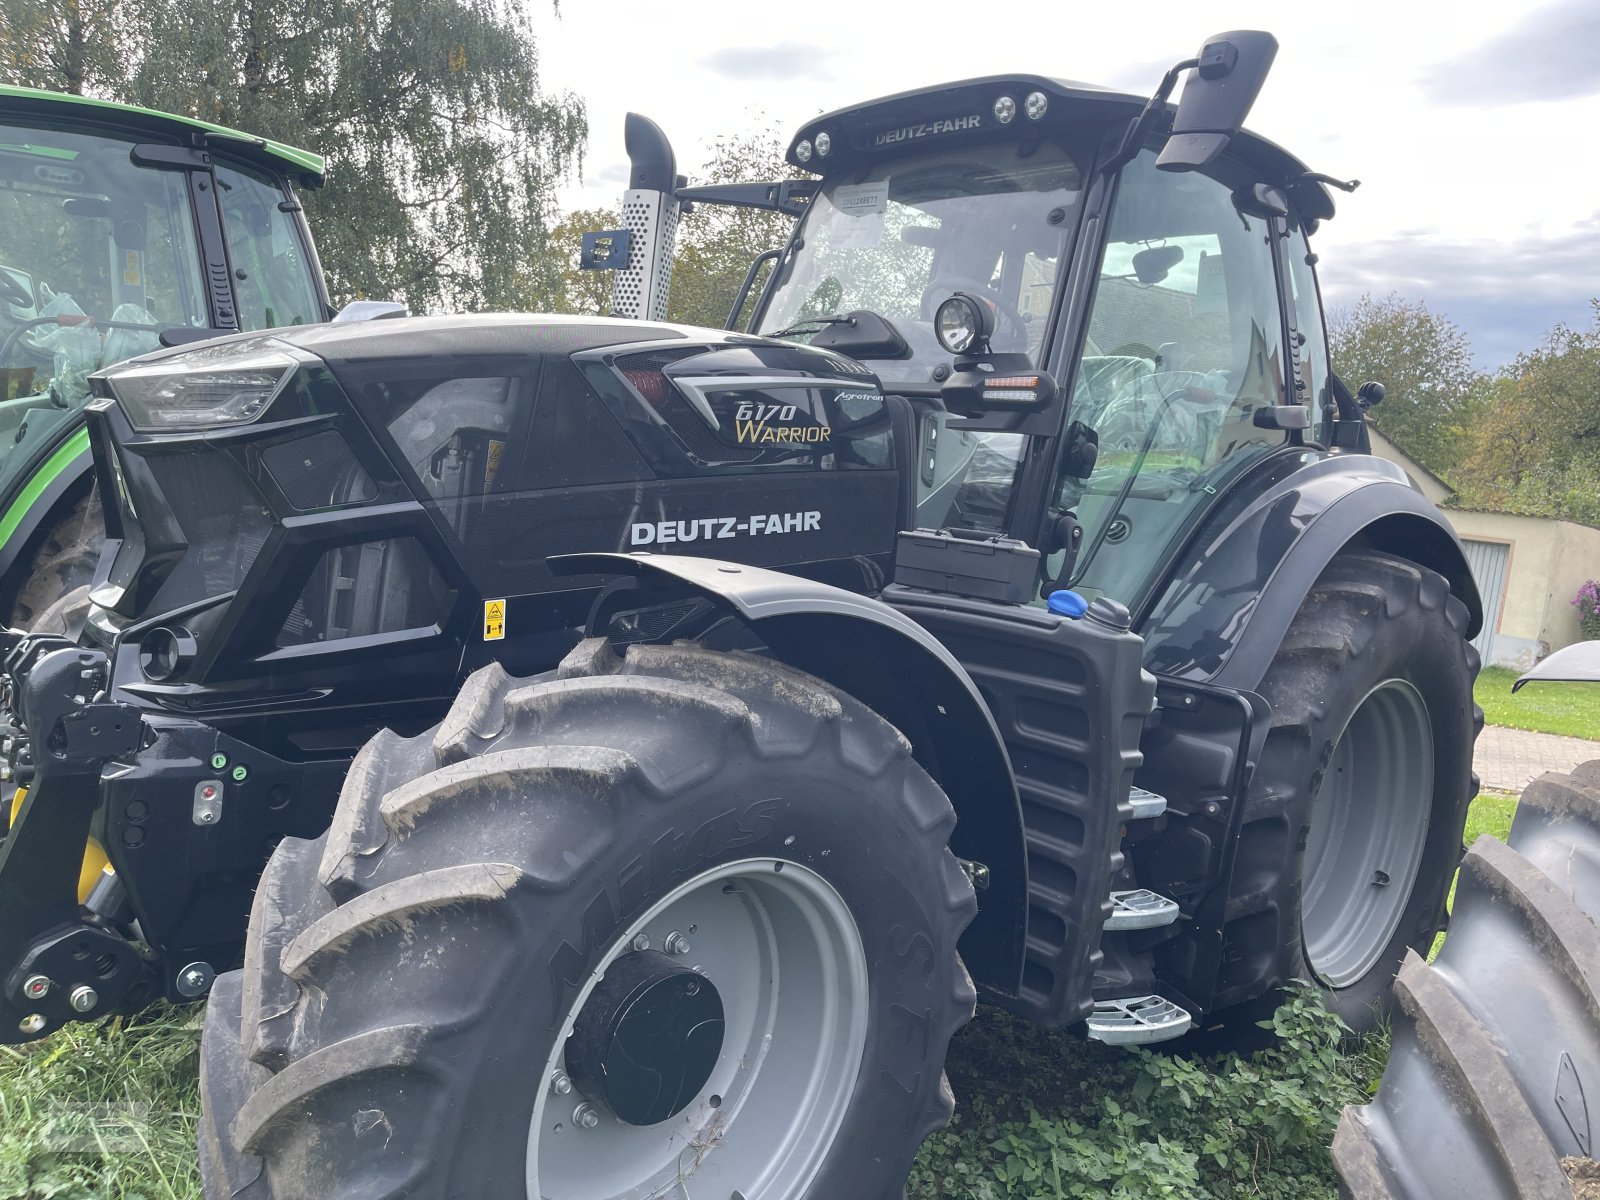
[{"x": 231, "y": 384}]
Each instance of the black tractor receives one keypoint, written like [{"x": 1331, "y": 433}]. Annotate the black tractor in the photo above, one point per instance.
[{"x": 1014, "y": 610}]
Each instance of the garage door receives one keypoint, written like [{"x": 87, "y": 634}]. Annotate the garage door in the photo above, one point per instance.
[{"x": 1488, "y": 562}]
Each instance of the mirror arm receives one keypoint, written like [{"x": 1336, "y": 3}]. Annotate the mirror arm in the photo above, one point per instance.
[{"x": 1139, "y": 128}]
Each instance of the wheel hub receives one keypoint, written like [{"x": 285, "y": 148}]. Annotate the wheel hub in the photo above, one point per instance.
[{"x": 647, "y": 1039}]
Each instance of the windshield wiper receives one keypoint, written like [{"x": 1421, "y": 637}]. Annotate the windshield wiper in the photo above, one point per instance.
[{"x": 805, "y": 326}]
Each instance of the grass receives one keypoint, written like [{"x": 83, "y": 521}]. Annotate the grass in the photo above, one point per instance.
[
  {"x": 1572, "y": 709},
  {"x": 104, "y": 1111},
  {"x": 109, "y": 1111}
]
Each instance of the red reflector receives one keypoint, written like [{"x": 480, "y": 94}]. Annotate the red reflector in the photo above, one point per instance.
[{"x": 652, "y": 385}]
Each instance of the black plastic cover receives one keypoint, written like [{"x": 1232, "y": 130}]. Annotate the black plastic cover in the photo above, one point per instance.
[
  {"x": 990, "y": 568},
  {"x": 1070, "y": 699}
]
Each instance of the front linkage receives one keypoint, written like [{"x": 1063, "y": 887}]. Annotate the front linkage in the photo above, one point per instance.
[{"x": 61, "y": 959}]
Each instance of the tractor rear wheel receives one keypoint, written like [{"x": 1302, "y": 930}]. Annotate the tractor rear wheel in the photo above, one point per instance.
[
  {"x": 1352, "y": 830},
  {"x": 1484, "y": 1095},
  {"x": 63, "y": 563},
  {"x": 686, "y": 917}
]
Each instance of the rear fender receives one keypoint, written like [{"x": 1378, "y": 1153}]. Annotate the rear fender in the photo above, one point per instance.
[
  {"x": 898, "y": 669},
  {"x": 1230, "y": 599}
]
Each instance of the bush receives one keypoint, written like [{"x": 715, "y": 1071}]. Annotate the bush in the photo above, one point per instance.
[
  {"x": 1587, "y": 602},
  {"x": 1077, "y": 1119}
]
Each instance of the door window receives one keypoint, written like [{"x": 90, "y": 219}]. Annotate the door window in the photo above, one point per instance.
[
  {"x": 1184, "y": 346},
  {"x": 272, "y": 279}
]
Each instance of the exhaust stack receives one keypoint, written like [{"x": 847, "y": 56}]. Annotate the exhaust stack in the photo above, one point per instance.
[{"x": 650, "y": 215}]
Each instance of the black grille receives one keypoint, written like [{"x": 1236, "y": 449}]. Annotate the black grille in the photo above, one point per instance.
[{"x": 224, "y": 521}]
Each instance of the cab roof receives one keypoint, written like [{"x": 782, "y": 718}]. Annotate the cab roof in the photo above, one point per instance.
[
  {"x": 26, "y": 105},
  {"x": 952, "y": 112}
]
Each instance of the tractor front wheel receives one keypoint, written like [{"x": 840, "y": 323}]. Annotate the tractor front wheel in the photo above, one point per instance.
[{"x": 679, "y": 922}]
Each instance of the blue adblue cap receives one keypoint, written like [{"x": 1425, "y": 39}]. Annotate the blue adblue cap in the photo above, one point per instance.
[{"x": 1067, "y": 604}]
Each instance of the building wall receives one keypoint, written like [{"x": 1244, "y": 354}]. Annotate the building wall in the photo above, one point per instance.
[{"x": 1548, "y": 560}]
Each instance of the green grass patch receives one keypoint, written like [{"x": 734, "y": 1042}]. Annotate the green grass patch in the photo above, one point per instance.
[
  {"x": 103, "y": 1111},
  {"x": 1572, "y": 709},
  {"x": 1045, "y": 1116}
]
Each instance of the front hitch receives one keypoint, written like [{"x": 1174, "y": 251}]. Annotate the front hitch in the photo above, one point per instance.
[{"x": 58, "y": 962}]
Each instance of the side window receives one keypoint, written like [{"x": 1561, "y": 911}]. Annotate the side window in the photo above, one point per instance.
[
  {"x": 1308, "y": 321},
  {"x": 1184, "y": 346},
  {"x": 272, "y": 278},
  {"x": 575, "y": 441}
]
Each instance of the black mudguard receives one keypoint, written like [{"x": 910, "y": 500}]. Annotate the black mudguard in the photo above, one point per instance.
[
  {"x": 1242, "y": 578},
  {"x": 895, "y": 666}
]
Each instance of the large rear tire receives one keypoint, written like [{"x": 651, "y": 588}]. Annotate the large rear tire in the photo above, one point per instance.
[
  {"x": 1352, "y": 830},
  {"x": 1496, "y": 1045},
  {"x": 63, "y": 563},
  {"x": 685, "y": 916}
]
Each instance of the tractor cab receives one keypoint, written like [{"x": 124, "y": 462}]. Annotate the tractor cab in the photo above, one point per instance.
[
  {"x": 123, "y": 230},
  {"x": 1165, "y": 298}
]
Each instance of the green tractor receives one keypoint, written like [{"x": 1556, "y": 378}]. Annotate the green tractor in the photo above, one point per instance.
[{"x": 122, "y": 230}]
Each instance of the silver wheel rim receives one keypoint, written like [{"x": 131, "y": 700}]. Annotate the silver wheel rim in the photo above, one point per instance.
[
  {"x": 786, "y": 957},
  {"x": 1368, "y": 825}
]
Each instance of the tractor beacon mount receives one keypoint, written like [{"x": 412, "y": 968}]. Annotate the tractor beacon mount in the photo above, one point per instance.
[{"x": 1023, "y": 615}]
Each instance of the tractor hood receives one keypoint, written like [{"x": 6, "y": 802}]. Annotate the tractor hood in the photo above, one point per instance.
[{"x": 322, "y": 489}]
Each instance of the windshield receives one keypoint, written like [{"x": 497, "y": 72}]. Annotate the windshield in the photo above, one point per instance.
[
  {"x": 900, "y": 236},
  {"x": 273, "y": 283},
  {"x": 97, "y": 255}
]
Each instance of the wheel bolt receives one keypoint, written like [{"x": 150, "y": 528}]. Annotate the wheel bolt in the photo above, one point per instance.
[
  {"x": 585, "y": 1117},
  {"x": 641, "y": 942},
  {"x": 676, "y": 943},
  {"x": 83, "y": 998},
  {"x": 560, "y": 1084},
  {"x": 36, "y": 987}
]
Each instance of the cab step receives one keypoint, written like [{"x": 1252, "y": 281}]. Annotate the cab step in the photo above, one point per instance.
[
  {"x": 1140, "y": 909},
  {"x": 1146, "y": 803},
  {"x": 1137, "y": 1021}
]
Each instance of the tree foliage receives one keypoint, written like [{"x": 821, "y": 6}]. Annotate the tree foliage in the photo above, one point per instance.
[
  {"x": 1425, "y": 362},
  {"x": 72, "y": 46},
  {"x": 444, "y": 153},
  {"x": 714, "y": 246},
  {"x": 1536, "y": 447},
  {"x": 715, "y": 242}
]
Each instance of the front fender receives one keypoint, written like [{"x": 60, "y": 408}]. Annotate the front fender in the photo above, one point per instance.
[
  {"x": 901, "y": 671},
  {"x": 1232, "y": 595}
]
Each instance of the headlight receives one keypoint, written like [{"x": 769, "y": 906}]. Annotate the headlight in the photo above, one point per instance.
[
  {"x": 225, "y": 385},
  {"x": 962, "y": 324}
]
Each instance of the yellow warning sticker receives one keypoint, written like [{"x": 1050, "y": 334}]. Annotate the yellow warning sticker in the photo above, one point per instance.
[
  {"x": 131, "y": 272},
  {"x": 491, "y": 465},
  {"x": 494, "y": 620}
]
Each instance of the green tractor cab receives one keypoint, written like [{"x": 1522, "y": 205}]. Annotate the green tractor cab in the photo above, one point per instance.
[{"x": 121, "y": 230}]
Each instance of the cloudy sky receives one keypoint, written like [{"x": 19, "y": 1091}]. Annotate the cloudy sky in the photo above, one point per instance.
[{"x": 1475, "y": 130}]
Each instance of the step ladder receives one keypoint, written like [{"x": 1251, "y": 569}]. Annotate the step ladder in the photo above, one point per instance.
[
  {"x": 1146, "y": 803},
  {"x": 1140, "y": 908},
  {"x": 1137, "y": 1021}
]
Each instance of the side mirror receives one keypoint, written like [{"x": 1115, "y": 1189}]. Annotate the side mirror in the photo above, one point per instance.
[{"x": 1217, "y": 97}]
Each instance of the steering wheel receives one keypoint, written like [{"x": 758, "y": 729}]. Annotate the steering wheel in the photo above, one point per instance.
[
  {"x": 940, "y": 290},
  {"x": 13, "y": 292}
]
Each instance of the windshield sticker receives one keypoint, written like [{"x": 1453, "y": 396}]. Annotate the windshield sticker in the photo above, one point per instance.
[
  {"x": 861, "y": 199},
  {"x": 707, "y": 529},
  {"x": 865, "y": 204}
]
